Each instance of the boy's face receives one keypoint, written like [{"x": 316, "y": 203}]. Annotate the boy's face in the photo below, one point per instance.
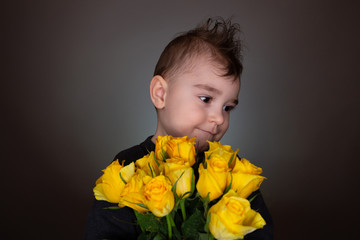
[{"x": 198, "y": 104}]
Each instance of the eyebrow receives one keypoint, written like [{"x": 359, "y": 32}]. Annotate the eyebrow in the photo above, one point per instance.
[
  {"x": 213, "y": 90},
  {"x": 208, "y": 88}
]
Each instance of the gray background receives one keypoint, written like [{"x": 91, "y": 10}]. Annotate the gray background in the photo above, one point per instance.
[{"x": 74, "y": 92}]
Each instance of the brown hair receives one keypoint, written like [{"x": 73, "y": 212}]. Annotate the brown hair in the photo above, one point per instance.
[{"x": 216, "y": 36}]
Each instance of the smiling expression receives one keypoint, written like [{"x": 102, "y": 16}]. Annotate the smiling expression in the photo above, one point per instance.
[{"x": 198, "y": 103}]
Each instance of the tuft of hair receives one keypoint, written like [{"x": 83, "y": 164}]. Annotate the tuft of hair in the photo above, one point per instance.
[{"x": 216, "y": 38}]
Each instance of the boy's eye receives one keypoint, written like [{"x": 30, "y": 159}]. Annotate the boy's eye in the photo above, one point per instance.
[
  {"x": 228, "y": 108},
  {"x": 205, "y": 99}
]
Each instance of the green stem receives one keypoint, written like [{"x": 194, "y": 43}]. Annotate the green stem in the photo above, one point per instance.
[
  {"x": 168, "y": 219},
  {"x": 182, "y": 206},
  {"x": 206, "y": 205}
]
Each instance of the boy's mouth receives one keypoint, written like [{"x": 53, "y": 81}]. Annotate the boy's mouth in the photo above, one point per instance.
[{"x": 210, "y": 133}]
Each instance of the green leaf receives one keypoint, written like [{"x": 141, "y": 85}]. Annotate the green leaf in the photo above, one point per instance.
[
  {"x": 113, "y": 208},
  {"x": 163, "y": 230},
  {"x": 211, "y": 237},
  {"x": 142, "y": 236},
  {"x": 148, "y": 222},
  {"x": 186, "y": 193},
  {"x": 148, "y": 151},
  {"x": 177, "y": 198},
  {"x": 231, "y": 159},
  {"x": 204, "y": 236},
  {"x": 164, "y": 154},
  {"x": 177, "y": 234},
  {"x": 175, "y": 184},
  {"x": 146, "y": 236},
  {"x": 139, "y": 204},
  {"x": 158, "y": 237},
  {"x": 192, "y": 204},
  {"x": 122, "y": 179},
  {"x": 192, "y": 183},
  {"x": 157, "y": 163},
  {"x": 205, "y": 161},
  {"x": 251, "y": 199},
  {"x": 229, "y": 187},
  {"x": 193, "y": 225},
  {"x": 206, "y": 227},
  {"x": 151, "y": 170}
]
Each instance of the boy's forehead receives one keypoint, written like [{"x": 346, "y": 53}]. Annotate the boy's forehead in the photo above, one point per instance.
[
  {"x": 204, "y": 73},
  {"x": 193, "y": 63}
]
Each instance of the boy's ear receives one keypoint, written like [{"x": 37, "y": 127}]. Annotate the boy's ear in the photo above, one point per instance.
[{"x": 158, "y": 87}]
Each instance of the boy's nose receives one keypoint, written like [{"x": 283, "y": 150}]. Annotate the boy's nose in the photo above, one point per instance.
[{"x": 217, "y": 117}]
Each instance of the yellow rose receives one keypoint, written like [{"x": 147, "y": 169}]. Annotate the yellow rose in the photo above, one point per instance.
[
  {"x": 161, "y": 147},
  {"x": 213, "y": 179},
  {"x": 245, "y": 166},
  {"x": 233, "y": 218},
  {"x": 132, "y": 195},
  {"x": 182, "y": 147},
  {"x": 175, "y": 147},
  {"x": 245, "y": 178},
  {"x": 178, "y": 169},
  {"x": 149, "y": 164},
  {"x": 225, "y": 151},
  {"x": 110, "y": 185},
  {"x": 244, "y": 184},
  {"x": 158, "y": 196}
]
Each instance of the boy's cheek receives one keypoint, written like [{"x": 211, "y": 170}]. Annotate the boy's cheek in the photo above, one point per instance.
[{"x": 225, "y": 127}]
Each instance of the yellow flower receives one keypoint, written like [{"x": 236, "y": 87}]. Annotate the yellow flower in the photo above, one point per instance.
[
  {"x": 213, "y": 178},
  {"x": 244, "y": 184},
  {"x": 233, "y": 218},
  {"x": 178, "y": 169},
  {"x": 110, "y": 185},
  {"x": 245, "y": 178},
  {"x": 158, "y": 196},
  {"x": 149, "y": 164},
  {"x": 225, "y": 151},
  {"x": 182, "y": 147},
  {"x": 175, "y": 147},
  {"x": 161, "y": 147},
  {"x": 132, "y": 196},
  {"x": 245, "y": 166}
]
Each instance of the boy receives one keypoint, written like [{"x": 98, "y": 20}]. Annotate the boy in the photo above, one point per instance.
[{"x": 195, "y": 86}]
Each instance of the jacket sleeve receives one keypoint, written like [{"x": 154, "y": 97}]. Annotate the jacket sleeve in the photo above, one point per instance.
[
  {"x": 103, "y": 223},
  {"x": 266, "y": 233}
]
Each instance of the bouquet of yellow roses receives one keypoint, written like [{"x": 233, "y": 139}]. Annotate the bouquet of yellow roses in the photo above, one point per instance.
[{"x": 170, "y": 204}]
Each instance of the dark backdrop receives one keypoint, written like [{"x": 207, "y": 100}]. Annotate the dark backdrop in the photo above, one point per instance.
[{"x": 74, "y": 92}]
